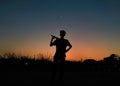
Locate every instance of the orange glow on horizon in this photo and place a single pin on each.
(81, 49)
(73, 54)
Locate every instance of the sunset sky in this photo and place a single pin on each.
(92, 26)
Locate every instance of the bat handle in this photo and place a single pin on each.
(54, 36)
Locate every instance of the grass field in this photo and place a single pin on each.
(70, 79)
(30, 72)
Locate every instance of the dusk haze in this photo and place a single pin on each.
(92, 27)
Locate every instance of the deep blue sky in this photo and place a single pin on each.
(92, 26)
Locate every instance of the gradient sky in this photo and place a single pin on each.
(92, 26)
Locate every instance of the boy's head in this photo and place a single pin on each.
(62, 33)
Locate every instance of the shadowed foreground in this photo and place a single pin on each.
(30, 72)
(70, 79)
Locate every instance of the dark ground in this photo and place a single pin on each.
(34, 78)
(30, 72)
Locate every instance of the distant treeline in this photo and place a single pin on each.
(12, 62)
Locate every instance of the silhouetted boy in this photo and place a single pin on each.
(62, 46)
